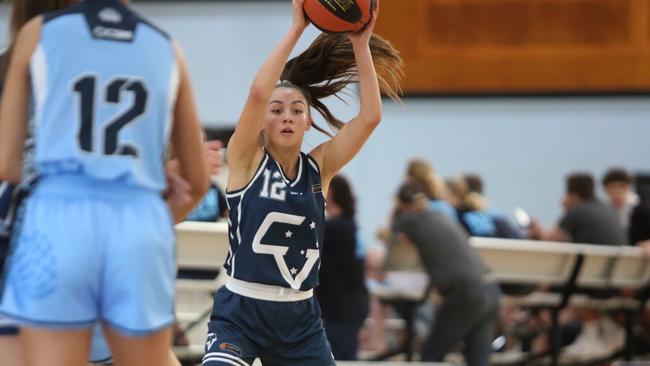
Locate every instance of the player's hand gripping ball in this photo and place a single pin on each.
(339, 16)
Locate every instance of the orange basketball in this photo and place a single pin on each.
(339, 16)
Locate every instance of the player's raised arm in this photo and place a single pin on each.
(349, 140)
(335, 153)
(244, 149)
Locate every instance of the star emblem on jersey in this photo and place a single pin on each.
(312, 225)
(302, 252)
(212, 337)
(288, 234)
(292, 273)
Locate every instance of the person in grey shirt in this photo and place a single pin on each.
(586, 220)
(470, 308)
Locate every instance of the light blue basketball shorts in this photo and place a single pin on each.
(8, 327)
(92, 252)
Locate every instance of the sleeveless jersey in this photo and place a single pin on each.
(103, 109)
(276, 226)
(6, 194)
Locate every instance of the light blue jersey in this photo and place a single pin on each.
(103, 108)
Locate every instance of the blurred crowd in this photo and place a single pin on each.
(428, 231)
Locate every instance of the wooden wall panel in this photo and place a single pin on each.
(513, 46)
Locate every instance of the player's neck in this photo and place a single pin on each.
(287, 158)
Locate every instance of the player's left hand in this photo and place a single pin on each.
(363, 36)
(213, 156)
(299, 20)
(178, 190)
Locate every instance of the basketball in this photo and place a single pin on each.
(339, 16)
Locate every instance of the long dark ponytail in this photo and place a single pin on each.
(328, 66)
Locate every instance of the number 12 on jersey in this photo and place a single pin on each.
(277, 189)
(86, 88)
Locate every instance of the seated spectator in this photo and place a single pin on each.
(422, 172)
(640, 225)
(504, 228)
(212, 207)
(341, 293)
(470, 305)
(617, 184)
(588, 221)
(470, 208)
(639, 230)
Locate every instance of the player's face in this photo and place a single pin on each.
(287, 117)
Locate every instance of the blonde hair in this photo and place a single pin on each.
(472, 200)
(422, 172)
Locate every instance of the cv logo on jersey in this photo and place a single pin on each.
(278, 251)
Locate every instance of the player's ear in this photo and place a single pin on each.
(310, 121)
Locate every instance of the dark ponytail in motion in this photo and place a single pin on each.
(328, 66)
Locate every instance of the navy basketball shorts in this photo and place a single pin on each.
(7, 326)
(242, 329)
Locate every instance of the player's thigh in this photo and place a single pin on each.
(11, 350)
(150, 349)
(55, 347)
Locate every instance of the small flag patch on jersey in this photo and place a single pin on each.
(316, 188)
(230, 347)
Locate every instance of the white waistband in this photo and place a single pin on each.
(266, 292)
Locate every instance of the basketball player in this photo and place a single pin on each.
(102, 118)
(276, 195)
(11, 350)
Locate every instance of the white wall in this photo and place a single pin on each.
(522, 146)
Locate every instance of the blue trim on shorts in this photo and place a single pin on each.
(22, 321)
(9, 331)
(105, 361)
(139, 333)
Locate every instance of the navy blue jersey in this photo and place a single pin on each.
(6, 193)
(5, 200)
(276, 226)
